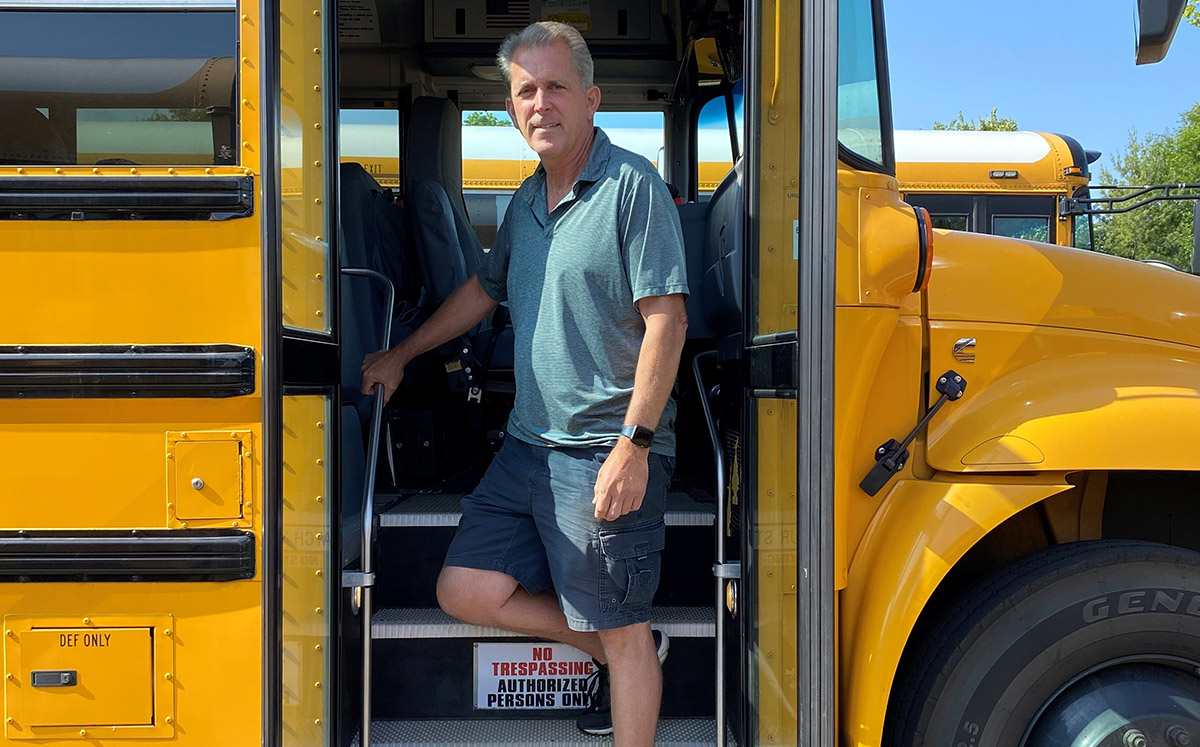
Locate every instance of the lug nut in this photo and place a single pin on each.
(1177, 736)
(1135, 738)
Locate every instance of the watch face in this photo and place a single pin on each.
(639, 435)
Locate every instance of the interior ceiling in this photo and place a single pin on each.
(408, 52)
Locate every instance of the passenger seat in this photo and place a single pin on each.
(712, 236)
(448, 249)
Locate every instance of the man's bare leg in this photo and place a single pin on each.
(492, 598)
(635, 681)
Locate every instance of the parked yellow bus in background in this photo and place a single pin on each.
(1002, 183)
(932, 488)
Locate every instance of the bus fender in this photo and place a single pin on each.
(923, 528)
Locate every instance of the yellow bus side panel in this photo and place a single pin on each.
(216, 680)
(921, 531)
(102, 463)
(879, 404)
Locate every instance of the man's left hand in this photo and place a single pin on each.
(621, 484)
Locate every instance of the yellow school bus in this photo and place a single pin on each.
(1016, 184)
(1001, 183)
(933, 487)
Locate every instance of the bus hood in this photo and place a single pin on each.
(980, 278)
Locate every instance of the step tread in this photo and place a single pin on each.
(557, 732)
(431, 622)
(442, 510)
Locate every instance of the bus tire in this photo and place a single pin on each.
(1035, 653)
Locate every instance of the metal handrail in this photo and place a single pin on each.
(368, 503)
(719, 520)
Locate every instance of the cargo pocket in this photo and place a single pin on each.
(630, 564)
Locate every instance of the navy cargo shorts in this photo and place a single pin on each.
(532, 517)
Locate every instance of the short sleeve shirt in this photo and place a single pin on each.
(571, 278)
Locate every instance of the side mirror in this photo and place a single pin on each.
(1156, 24)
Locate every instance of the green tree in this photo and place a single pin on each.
(179, 115)
(1191, 14)
(486, 119)
(992, 122)
(1162, 230)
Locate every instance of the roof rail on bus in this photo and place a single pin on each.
(1157, 21)
(118, 4)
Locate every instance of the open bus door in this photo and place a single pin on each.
(777, 618)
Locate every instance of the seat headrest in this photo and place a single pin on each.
(435, 143)
(28, 138)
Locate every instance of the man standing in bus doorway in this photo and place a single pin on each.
(590, 259)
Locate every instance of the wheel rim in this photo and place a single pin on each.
(1128, 704)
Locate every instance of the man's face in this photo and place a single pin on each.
(548, 102)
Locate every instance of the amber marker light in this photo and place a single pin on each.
(925, 241)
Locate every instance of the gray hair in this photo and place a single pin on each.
(545, 34)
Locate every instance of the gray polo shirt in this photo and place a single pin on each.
(571, 278)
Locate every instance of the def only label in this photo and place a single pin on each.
(84, 640)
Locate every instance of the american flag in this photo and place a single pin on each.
(507, 14)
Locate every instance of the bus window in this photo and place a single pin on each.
(859, 114)
(496, 159)
(713, 146)
(106, 87)
(1030, 228)
(951, 222)
(371, 137)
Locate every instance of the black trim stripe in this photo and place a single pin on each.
(923, 244)
(100, 197)
(125, 371)
(130, 556)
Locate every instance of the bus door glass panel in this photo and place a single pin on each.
(1031, 218)
(303, 156)
(118, 88)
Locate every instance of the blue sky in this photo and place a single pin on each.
(1062, 66)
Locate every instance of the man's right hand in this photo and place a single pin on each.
(385, 367)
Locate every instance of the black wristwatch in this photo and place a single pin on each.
(639, 434)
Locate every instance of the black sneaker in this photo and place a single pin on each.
(597, 717)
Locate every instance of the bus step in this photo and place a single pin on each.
(431, 622)
(557, 732)
(442, 510)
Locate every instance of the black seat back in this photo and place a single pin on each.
(448, 249)
(720, 286)
(693, 218)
